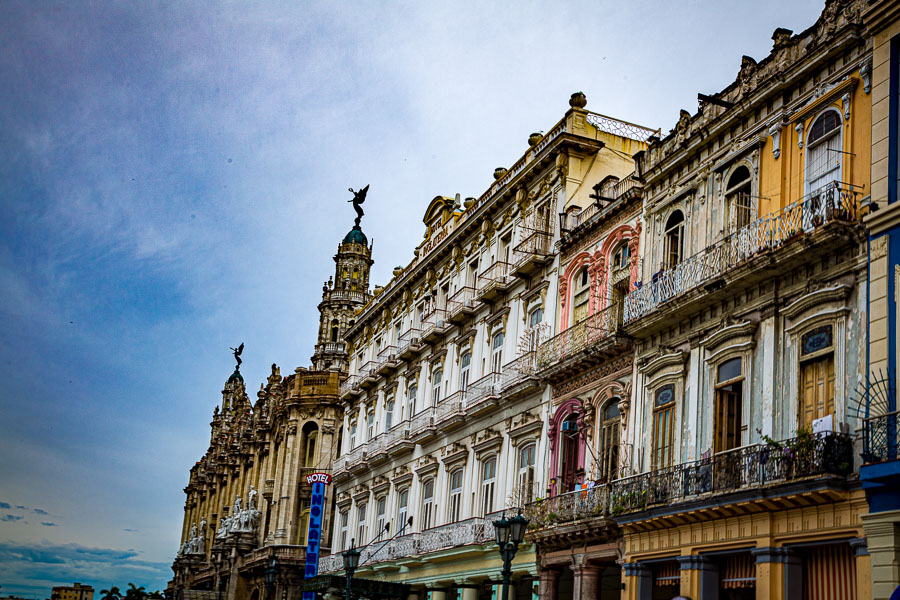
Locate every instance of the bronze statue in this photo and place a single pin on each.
(237, 355)
(358, 198)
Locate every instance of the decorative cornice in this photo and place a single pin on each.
(727, 332)
(661, 361)
(838, 292)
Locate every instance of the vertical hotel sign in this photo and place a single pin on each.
(318, 481)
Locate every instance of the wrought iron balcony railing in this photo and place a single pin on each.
(434, 322)
(596, 328)
(367, 369)
(495, 278)
(482, 389)
(331, 563)
(461, 300)
(535, 244)
(750, 467)
(421, 421)
(834, 202)
(881, 438)
(350, 383)
(462, 533)
(517, 370)
(408, 338)
(571, 221)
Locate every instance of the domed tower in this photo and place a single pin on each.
(342, 296)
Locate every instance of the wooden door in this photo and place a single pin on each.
(816, 389)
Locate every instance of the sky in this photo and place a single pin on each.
(173, 180)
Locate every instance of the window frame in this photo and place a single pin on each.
(427, 503)
(455, 498)
(663, 412)
(488, 484)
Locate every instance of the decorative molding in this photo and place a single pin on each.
(487, 439)
(727, 332)
(865, 72)
(454, 454)
(879, 247)
(425, 465)
(401, 475)
(380, 484)
(775, 133)
(661, 361)
(839, 292)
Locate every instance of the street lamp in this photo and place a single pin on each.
(510, 533)
(271, 572)
(351, 561)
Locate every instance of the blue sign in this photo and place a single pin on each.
(314, 535)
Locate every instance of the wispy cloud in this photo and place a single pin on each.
(40, 511)
(5, 505)
(48, 524)
(9, 518)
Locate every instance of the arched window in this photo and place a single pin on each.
(674, 240)
(497, 352)
(536, 317)
(389, 413)
(455, 504)
(569, 464)
(361, 524)
(311, 435)
(411, 394)
(663, 426)
(436, 386)
(402, 508)
(581, 295)
(488, 484)
(465, 362)
(335, 327)
(738, 199)
(823, 151)
(526, 474)
(370, 424)
(610, 423)
(380, 509)
(729, 401)
(427, 504)
(621, 258)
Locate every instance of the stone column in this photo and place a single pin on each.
(469, 593)
(587, 582)
(863, 567)
(549, 581)
(699, 578)
(638, 580)
(438, 594)
(883, 542)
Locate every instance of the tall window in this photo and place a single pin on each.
(353, 433)
(345, 518)
(361, 525)
(334, 330)
(569, 463)
(729, 401)
(738, 199)
(497, 352)
(411, 394)
(674, 240)
(370, 424)
(582, 294)
(402, 508)
(488, 484)
(310, 459)
(526, 474)
(303, 529)
(536, 317)
(823, 151)
(621, 256)
(465, 361)
(456, 484)
(380, 508)
(389, 413)
(663, 426)
(436, 386)
(609, 440)
(816, 375)
(427, 503)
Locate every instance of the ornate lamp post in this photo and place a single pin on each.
(271, 572)
(351, 561)
(510, 533)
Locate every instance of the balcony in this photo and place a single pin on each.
(350, 386)
(836, 203)
(742, 477)
(331, 563)
(453, 535)
(421, 426)
(574, 225)
(533, 253)
(450, 412)
(461, 305)
(747, 469)
(331, 348)
(593, 340)
(495, 281)
(518, 377)
(483, 395)
(367, 375)
(348, 296)
(339, 470)
(377, 452)
(435, 325)
(409, 345)
(356, 459)
(387, 361)
(396, 441)
(287, 555)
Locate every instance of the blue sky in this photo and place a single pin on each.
(174, 176)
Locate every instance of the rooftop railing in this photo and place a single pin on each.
(594, 329)
(834, 202)
(338, 347)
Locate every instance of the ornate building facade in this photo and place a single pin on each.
(448, 421)
(247, 498)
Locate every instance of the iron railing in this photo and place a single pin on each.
(881, 438)
(407, 338)
(749, 467)
(421, 421)
(385, 354)
(351, 382)
(398, 433)
(571, 221)
(367, 369)
(337, 347)
(834, 202)
(620, 128)
(517, 370)
(464, 296)
(495, 275)
(536, 244)
(482, 389)
(596, 328)
(436, 319)
(451, 406)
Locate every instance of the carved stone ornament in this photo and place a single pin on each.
(775, 132)
(799, 130)
(845, 102)
(865, 71)
(879, 247)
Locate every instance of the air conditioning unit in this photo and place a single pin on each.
(570, 426)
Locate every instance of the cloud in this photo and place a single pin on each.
(5, 505)
(40, 511)
(48, 524)
(130, 530)
(22, 507)
(25, 565)
(8, 517)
